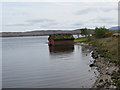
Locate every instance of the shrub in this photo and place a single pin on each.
(101, 32)
(85, 31)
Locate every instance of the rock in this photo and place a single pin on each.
(101, 80)
(94, 55)
(94, 61)
(91, 65)
(109, 73)
(107, 68)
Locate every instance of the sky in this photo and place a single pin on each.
(30, 16)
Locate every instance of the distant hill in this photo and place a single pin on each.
(37, 33)
(41, 33)
(115, 28)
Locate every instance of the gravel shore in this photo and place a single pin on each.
(105, 69)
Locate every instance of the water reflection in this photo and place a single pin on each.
(85, 50)
(61, 49)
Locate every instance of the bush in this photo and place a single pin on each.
(85, 31)
(101, 32)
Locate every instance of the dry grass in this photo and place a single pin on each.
(108, 47)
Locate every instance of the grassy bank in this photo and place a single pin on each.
(79, 40)
(107, 48)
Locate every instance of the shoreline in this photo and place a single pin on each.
(104, 67)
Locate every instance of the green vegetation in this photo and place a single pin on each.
(102, 32)
(85, 31)
(62, 36)
(84, 39)
(107, 47)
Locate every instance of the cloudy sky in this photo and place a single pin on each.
(28, 16)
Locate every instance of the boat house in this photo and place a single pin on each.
(61, 39)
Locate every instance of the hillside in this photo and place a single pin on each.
(115, 28)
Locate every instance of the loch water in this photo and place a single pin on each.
(28, 62)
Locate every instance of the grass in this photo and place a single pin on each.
(106, 47)
(83, 39)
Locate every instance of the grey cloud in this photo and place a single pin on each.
(88, 10)
(48, 24)
(40, 20)
(104, 20)
(85, 11)
(78, 24)
(43, 23)
(109, 9)
(17, 25)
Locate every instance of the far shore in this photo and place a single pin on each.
(22, 35)
(38, 33)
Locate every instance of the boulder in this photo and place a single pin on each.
(91, 65)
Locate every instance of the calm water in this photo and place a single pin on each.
(28, 62)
